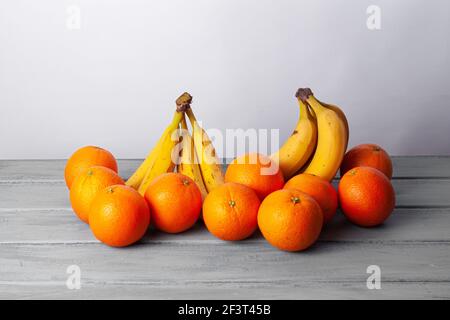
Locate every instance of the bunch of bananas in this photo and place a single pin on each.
(192, 155)
(316, 146)
(318, 142)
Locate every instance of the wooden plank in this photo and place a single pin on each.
(40, 237)
(421, 167)
(234, 290)
(32, 169)
(420, 193)
(41, 195)
(61, 226)
(250, 263)
(50, 170)
(33, 195)
(404, 167)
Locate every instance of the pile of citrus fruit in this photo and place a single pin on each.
(286, 195)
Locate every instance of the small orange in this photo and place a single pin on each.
(367, 155)
(366, 196)
(86, 186)
(230, 211)
(320, 189)
(87, 157)
(119, 216)
(256, 171)
(290, 220)
(175, 202)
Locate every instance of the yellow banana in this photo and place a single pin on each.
(298, 148)
(165, 150)
(188, 164)
(138, 176)
(209, 163)
(341, 114)
(332, 137)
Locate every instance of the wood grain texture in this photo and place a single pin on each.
(50, 170)
(229, 290)
(227, 264)
(404, 167)
(63, 227)
(40, 237)
(41, 194)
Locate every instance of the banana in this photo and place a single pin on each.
(341, 114)
(332, 137)
(165, 150)
(138, 176)
(209, 163)
(299, 147)
(188, 164)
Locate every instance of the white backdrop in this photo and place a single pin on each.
(113, 81)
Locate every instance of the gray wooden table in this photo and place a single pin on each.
(40, 237)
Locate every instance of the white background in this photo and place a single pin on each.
(113, 82)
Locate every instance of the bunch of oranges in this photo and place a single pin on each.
(290, 215)
(117, 214)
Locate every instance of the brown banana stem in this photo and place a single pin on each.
(303, 94)
(183, 102)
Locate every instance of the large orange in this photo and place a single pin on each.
(230, 211)
(175, 202)
(367, 155)
(87, 157)
(366, 196)
(290, 219)
(320, 189)
(119, 216)
(256, 171)
(86, 186)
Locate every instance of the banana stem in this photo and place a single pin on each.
(303, 94)
(183, 102)
(306, 96)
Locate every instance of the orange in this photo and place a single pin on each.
(290, 220)
(320, 189)
(175, 202)
(230, 211)
(256, 171)
(119, 216)
(86, 186)
(367, 155)
(366, 196)
(87, 157)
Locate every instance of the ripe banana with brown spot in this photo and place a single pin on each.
(331, 141)
(342, 115)
(209, 163)
(299, 147)
(165, 151)
(188, 164)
